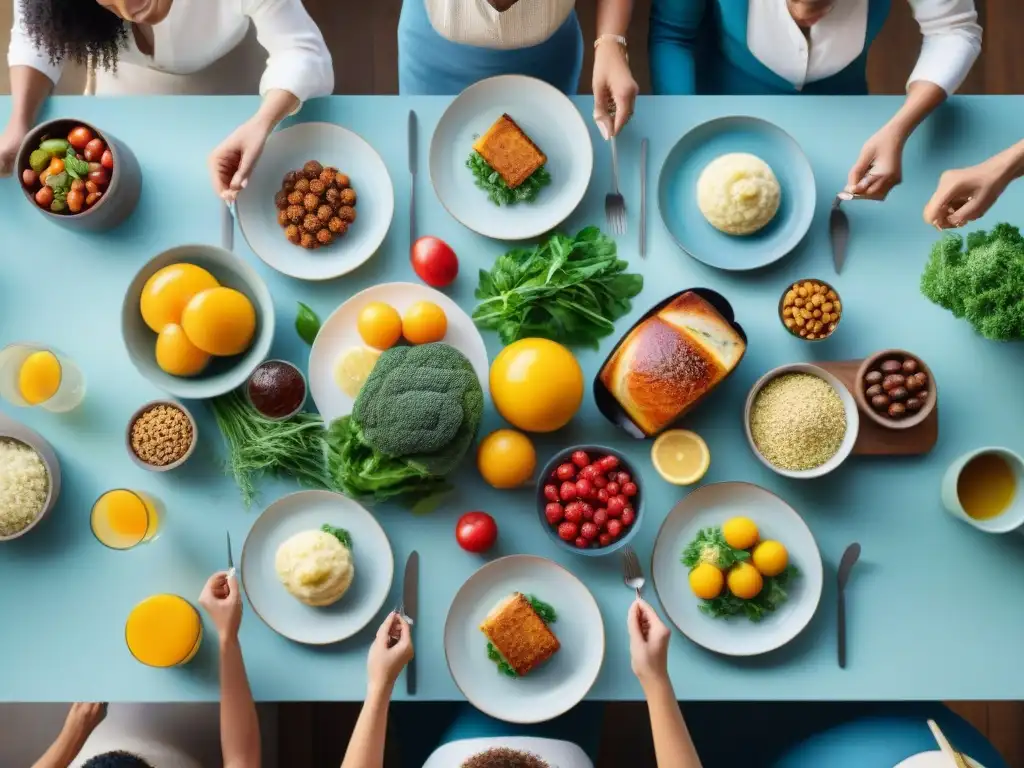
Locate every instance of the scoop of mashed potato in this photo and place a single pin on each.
(315, 567)
(738, 193)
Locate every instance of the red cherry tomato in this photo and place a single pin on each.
(628, 517)
(574, 512)
(551, 492)
(580, 459)
(568, 491)
(566, 471)
(603, 496)
(614, 528)
(612, 488)
(623, 478)
(608, 463)
(568, 531)
(601, 517)
(581, 542)
(589, 472)
(554, 513)
(583, 488)
(107, 159)
(94, 150)
(599, 481)
(80, 137)
(44, 197)
(589, 531)
(604, 539)
(434, 262)
(615, 506)
(588, 512)
(100, 178)
(476, 531)
(629, 489)
(29, 178)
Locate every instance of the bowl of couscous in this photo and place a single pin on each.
(29, 479)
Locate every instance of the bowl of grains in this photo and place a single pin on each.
(810, 310)
(161, 435)
(29, 479)
(801, 421)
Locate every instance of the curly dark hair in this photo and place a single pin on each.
(116, 760)
(75, 30)
(502, 757)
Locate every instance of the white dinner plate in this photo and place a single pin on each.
(709, 506)
(339, 333)
(562, 681)
(934, 759)
(551, 121)
(371, 554)
(329, 144)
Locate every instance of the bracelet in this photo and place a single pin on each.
(615, 38)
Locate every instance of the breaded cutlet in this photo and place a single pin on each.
(509, 151)
(519, 634)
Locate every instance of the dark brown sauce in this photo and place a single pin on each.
(276, 389)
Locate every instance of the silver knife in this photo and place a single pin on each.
(411, 602)
(227, 227)
(413, 152)
(839, 233)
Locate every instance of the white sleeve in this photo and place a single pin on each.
(299, 61)
(22, 51)
(952, 41)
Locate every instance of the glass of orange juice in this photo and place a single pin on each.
(122, 519)
(31, 375)
(164, 631)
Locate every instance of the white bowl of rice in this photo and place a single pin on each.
(29, 479)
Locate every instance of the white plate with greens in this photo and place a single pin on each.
(551, 121)
(555, 686)
(372, 557)
(708, 507)
(339, 334)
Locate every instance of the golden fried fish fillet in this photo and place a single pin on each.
(519, 634)
(509, 151)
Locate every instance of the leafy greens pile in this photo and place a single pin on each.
(498, 192)
(984, 283)
(709, 546)
(567, 289)
(547, 615)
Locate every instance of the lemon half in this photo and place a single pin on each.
(353, 368)
(680, 456)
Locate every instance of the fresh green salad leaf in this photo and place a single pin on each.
(498, 192)
(503, 666)
(307, 324)
(772, 595)
(709, 546)
(59, 182)
(339, 533)
(568, 289)
(77, 169)
(544, 610)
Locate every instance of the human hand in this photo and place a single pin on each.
(10, 141)
(879, 167)
(231, 163)
(222, 599)
(966, 194)
(648, 643)
(613, 86)
(83, 718)
(385, 662)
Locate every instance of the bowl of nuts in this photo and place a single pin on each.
(895, 389)
(810, 310)
(161, 435)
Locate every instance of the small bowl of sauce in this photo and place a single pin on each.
(276, 390)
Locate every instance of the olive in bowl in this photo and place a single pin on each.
(895, 389)
(590, 500)
(810, 310)
(77, 175)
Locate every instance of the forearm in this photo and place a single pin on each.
(366, 747)
(613, 16)
(1012, 161)
(922, 99)
(29, 89)
(239, 724)
(277, 105)
(64, 750)
(673, 746)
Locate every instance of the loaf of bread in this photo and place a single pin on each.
(671, 360)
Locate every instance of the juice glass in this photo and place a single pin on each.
(31, 375)
(163, 631)
(122, 519)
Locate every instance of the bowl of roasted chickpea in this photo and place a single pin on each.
(810, 309)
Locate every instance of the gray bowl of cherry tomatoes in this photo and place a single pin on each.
(590, 500)
(77, 175)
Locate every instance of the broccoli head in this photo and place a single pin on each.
(982, 283)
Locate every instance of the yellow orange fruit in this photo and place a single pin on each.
(220, 321)
(770, 558)
(379, 324)
(39, 377)
(745, 581)
(536, 385)
(176, 355)
(506, 458)
(424, 322)
(740, 532)
(169, 290)
(706, 581)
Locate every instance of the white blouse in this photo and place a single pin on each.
(952, 40)
(196, 33)
(557, 754)
(476, 22)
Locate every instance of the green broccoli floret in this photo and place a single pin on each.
(339, 533)
(984, 283)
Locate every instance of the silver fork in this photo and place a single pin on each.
(632, 575)
(614, 203)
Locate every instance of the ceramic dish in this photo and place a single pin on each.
(934, 759)
(131, 423)
(885, 421)
(12, 430)
(711, 505)
(849, 406)
(288, 150)
(593, 451)
(605, 400)
(371, 554)
(339, 333)
(549, 118)
(677, 193)
(552, 688)
(794, 332)
(223, 374)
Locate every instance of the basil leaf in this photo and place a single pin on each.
(307, 324)
(77, 169)
(59, 182)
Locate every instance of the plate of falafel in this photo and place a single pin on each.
(319, 202)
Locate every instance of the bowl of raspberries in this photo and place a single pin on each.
(316, 204)
(590, 500)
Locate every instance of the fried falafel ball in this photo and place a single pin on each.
(302, 185)
(316, 187)
(281, 200)
(308, 241)
(295, 213)
(327, 176)
(282, 218)
(324, 236)
(289, 179)
(333, 197)
(292, 233)
(325, 213)
(311, 201)
(294, 198)
(342, 181)
(312, 169)
(348, 197)
(337, 226)
(311, 224)
(347, 213)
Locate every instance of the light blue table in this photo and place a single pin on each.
(934, 607)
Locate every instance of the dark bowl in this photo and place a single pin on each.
(884, 420)
(796, 335)
(122, 192)
(638, 501)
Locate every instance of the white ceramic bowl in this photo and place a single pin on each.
(849, 405)
(12, 430)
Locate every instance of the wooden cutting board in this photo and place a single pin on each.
(876, 440)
